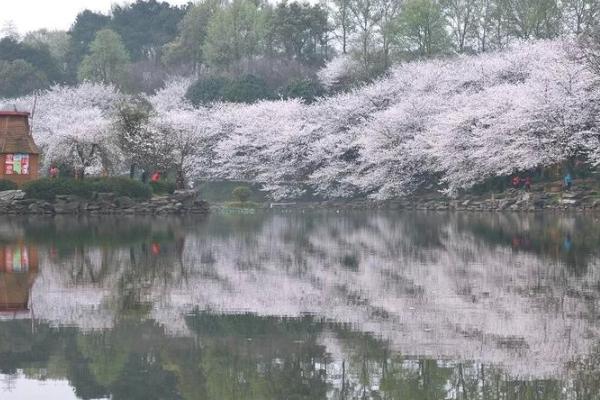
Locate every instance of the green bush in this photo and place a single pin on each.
(122, 187)
(48, 189)
(241, 193)
(246, 89)
(304, 89)
(163, 187)
(5, 184)
(206, 90)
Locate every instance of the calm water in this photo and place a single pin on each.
(319, 305)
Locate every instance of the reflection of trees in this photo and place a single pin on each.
(252, 357)
(432, 287)
(570, 239)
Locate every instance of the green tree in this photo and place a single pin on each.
(187, 48)
(19, 78)
(235, 32)
(462, 16)
(300, 31)
(82, 34)
(107, 61)
(533, 18)
(146, 26)
(366, 15)
(343, 21)
(56, 42)
(39, 57)
(424, 26)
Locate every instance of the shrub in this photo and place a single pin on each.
(206, 90)
(246, 89)
(5, 184)
(241, 193)
(304, 89)
(121, 187)
(163, 187)
(48, 189)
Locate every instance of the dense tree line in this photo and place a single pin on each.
(138, 46)
(436, 125)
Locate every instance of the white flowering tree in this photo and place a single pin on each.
(71, 125)
(437, 125)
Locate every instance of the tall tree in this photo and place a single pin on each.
(19, 78)
(300, 31)
(39, 57)
(389, 28)
(187, 48)
(540, 19)
(57, 42)
(82, 33)
(462, 16)
(424, 27)
(343, 21)
(581, 15)
(236, 32)
(107, 60)
(146, 26)
(365, 16)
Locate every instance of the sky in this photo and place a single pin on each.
(30, 15)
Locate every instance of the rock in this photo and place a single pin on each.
(504, 204)
(572, 195)
(570, 202)
(108, 197)
(125, 202)
(11, 195)
(64, 207)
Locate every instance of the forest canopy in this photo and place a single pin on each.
(137, 47)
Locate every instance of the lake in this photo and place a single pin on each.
(301, 305)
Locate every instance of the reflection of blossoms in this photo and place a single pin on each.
(427, 284)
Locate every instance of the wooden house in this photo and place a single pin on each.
(19, 155)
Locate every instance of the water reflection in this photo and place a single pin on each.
(302, 306)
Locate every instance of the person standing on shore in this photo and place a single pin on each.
(53, 172)
(568, 181)
(528, 183)
(516, 181)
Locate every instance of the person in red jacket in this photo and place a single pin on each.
(155, 177)
(53, 172)
(516, 181)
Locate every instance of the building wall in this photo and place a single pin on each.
(34, 170)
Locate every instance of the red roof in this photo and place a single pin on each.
(14, 114)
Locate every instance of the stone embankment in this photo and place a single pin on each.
(510, 200)
(515, 200)
(14, 202)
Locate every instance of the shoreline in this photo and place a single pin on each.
(14, 202)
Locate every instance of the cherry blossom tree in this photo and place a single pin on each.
(437, 125)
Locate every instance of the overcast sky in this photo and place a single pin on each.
(30, 15)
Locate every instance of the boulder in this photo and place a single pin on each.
(106, 197)
(125, 202)
(11, 195)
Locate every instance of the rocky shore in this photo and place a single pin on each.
(14, 202)
(512, 200)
